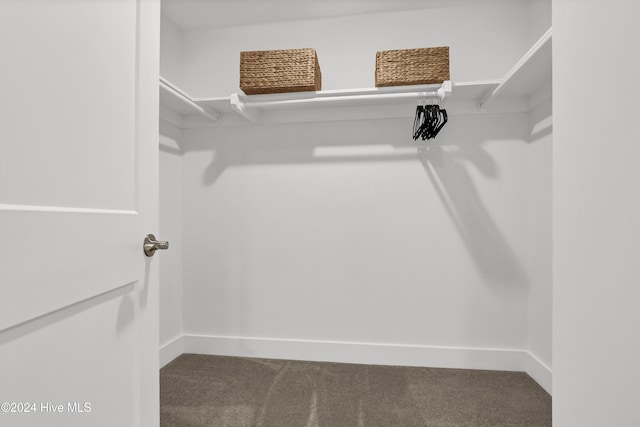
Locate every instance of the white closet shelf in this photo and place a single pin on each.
(524, 86)
(530, 78)
(346, 104)
(180, 109)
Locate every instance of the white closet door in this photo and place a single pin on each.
(78, 193)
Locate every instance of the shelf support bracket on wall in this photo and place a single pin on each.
(240, 107)
(445, 90)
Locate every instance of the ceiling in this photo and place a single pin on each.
(189, 15)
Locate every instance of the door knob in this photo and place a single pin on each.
(151, 245)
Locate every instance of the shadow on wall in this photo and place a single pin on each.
(293, 144)
(488, 247)
(445, 162)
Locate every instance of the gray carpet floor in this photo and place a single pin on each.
(198, 390)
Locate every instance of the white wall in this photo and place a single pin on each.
(171, 229)
(485, 39)
(539, 13)
(596, 351)
(171, 285)
(170, 51)
(539, 236)
(302, 231)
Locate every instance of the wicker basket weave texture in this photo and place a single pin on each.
(412, 66)
(279, 71)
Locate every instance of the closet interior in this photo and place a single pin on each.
(313, 226)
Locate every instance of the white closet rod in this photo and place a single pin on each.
(336, 96)
(243, 103)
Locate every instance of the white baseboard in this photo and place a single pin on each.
(171, 350)
(537, 370)
(361, 353)
(358, 352)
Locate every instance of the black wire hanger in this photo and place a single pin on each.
(429, 120)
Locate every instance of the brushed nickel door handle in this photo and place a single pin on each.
(151, 245)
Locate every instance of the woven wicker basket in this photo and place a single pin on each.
(412, 66)
(278, 71)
